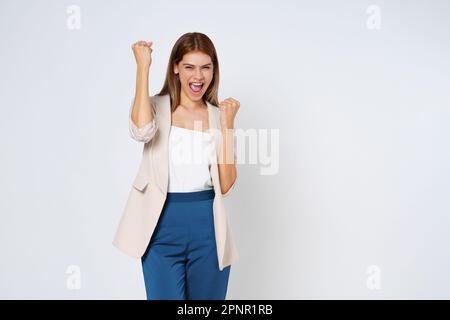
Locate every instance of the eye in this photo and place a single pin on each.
(205, 67)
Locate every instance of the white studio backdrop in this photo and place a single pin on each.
(354, 95)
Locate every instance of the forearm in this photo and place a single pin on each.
(141, 113)
(227, 165)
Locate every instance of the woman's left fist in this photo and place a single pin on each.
(228, 109)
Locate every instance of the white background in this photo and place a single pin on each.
(364, 162)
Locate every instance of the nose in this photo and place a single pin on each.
(198, 74)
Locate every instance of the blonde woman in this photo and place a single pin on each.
(174, 219)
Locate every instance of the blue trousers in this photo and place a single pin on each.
(180, 262)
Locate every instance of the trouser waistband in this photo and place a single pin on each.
(190, 196)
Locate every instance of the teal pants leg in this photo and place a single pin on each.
(180, 262)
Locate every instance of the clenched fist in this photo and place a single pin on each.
(228, 109)
(143, 53)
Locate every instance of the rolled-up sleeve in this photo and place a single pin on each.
(144, 133)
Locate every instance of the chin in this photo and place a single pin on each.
(194, 97)
(197, 97)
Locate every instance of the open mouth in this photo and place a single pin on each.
(196, 87)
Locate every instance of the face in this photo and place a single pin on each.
(195, 68)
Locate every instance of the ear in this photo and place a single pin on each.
(175, 68)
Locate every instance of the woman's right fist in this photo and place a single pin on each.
(143, 53)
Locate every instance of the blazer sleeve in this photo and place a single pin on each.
(146, 132)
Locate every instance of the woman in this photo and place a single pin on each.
(174, 219)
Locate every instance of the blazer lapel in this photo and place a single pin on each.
(160, 150)
(214, 130)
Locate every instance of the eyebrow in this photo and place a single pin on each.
(188, 64)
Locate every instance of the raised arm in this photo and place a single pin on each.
(142, 121)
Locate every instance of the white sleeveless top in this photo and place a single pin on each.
(190, 154)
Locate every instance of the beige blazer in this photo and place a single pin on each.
(149, 189)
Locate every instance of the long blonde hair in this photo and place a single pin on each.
(192, 41)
